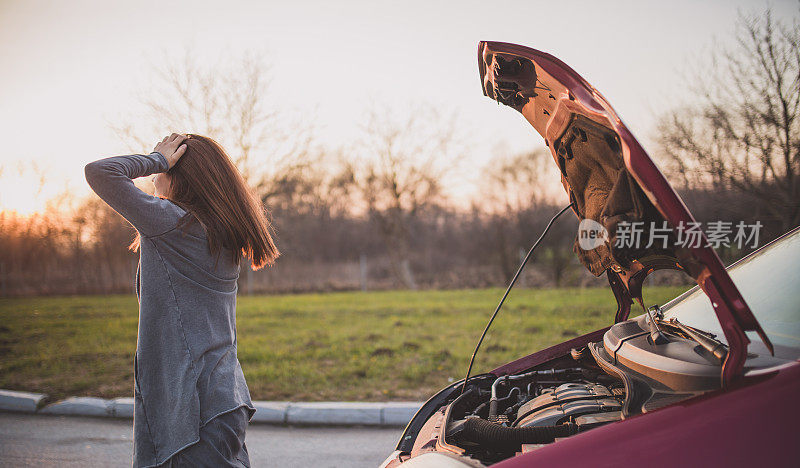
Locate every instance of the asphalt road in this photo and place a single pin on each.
(66, 441)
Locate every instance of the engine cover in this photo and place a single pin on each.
(556, 405)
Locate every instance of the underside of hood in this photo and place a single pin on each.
(611, 180)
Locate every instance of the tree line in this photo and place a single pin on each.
(326, 247)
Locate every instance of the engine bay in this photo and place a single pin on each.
(639, 366)
(526, 411)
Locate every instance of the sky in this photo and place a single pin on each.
(72, 69)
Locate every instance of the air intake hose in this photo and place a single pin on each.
(502, 438)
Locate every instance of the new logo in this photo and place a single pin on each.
(591, 234)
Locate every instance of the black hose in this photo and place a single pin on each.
(502, 438)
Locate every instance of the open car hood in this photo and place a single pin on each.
(611, 180)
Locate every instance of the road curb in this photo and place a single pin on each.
(318, 413)
(25, 402)
(79, 406)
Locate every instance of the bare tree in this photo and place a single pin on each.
(404, 160)
(518, 195)
(514, 184)
(318, 184)
(743, 132)
(228, 101)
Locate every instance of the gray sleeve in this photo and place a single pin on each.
(111, 179)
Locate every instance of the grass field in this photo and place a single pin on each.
(394, 345)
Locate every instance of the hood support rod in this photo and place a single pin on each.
(508, 290)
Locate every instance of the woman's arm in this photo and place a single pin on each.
(111, 179)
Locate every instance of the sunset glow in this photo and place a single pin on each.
(71, 70)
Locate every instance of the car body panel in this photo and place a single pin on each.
(550, 97)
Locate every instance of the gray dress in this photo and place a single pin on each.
(186, 370)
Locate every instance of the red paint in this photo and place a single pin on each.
(581, 98)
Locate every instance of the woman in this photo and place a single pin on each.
(191, 401)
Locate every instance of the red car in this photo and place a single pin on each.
(711, 377)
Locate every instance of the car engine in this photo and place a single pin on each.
(632, 370)
(522, 412)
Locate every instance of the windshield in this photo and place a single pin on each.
(769, 281)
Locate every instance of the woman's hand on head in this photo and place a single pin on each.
(171, 148)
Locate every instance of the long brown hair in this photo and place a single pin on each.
(208, 186)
